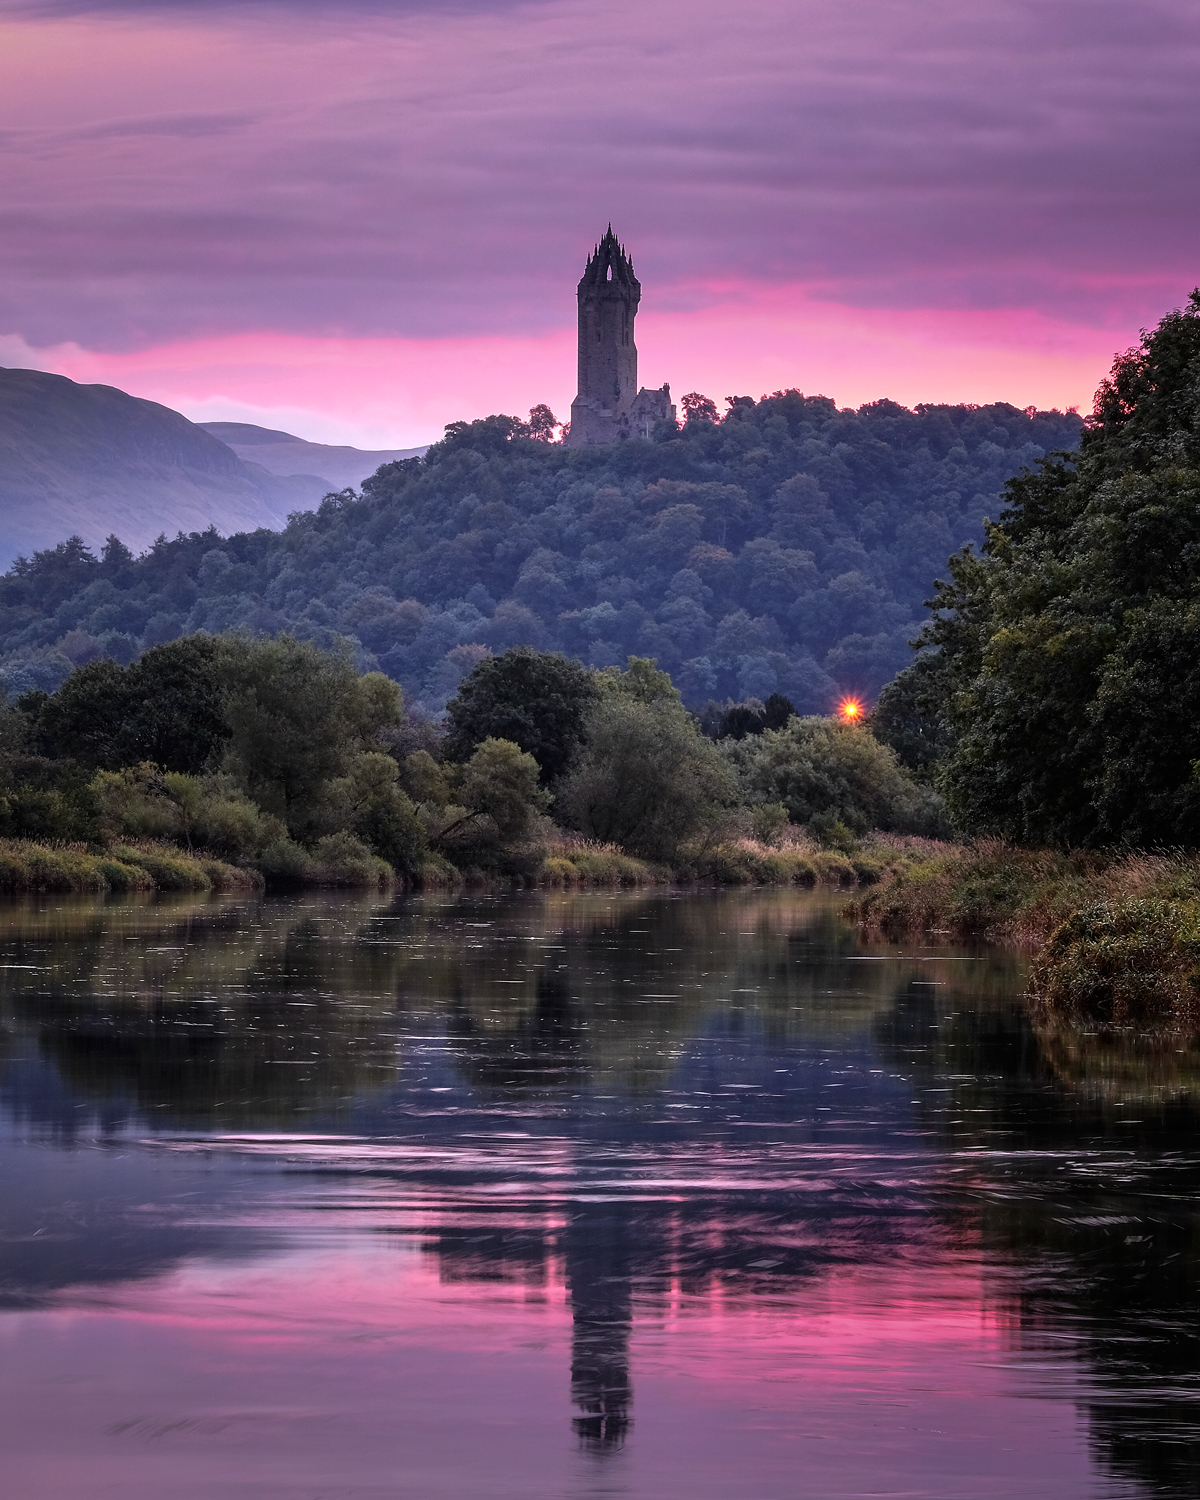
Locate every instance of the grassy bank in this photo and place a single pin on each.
(574, 862)
(30, 867)
(1117, 936)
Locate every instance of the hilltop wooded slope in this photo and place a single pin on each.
(787, 547)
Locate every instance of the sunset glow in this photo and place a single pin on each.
(850, 710)
(205, 202)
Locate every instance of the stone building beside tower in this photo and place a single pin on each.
(609, 406)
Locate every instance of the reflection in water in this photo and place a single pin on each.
(844, 1219)
(598, 1277)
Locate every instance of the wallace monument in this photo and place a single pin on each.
(609, 405)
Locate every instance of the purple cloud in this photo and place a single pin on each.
(409, 169)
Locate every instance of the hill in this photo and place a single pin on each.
(787, 547)
(90, 460)
(338, 468)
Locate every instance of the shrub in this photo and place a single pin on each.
(820, 769)
(1123, 964)
(340, 859)
(647, 780)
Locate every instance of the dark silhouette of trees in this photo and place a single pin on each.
(1067, 661)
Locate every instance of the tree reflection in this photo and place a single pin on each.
(1087, 1178)
(580, 1022)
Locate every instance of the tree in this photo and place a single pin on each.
(1067, 648)
(910, 717)
(821, 769)
(166, 708)
(501, 782)
(698, 410)
(647, 779)
(536, 699)
(299, 717)
(369, 801)
(642, 680)
(542, 423)
(752, 717)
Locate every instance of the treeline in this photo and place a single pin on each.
(1056, 697)
(282, 758)
(786, 547)
(1056, 702)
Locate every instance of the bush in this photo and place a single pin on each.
(647, 779)
(340, 859)
(822, 770)
(1123, 964)
(169, 869)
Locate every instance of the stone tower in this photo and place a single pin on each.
(609, 406)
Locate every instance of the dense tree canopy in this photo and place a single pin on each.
(536, 699)
(786, 547)
(1067, 665)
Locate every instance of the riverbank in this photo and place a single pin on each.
(27, 867)
(796, 859)
(567, 862)
(1116, 937)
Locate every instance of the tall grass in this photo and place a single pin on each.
(27, 867)
(796, 859)
(1117, 934)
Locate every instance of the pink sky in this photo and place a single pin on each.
(363, 221)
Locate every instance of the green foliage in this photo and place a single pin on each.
(167, 708)
(501, 782)
(1123, 964)
(341, 859)
(496, 824)
(735, 721)
(826, 773)
(785, 547)
(208, 812)
(1067, 663)
(299, 717)
(536, 699)
(909, 717)
(369, 802)
(647, 779)
(769, 820)
(424, 779)
(642, 681)
(302, 736)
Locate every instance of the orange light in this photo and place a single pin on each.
(850, 710)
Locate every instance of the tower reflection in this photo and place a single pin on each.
(598, 1272)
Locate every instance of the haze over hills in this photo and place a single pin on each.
(92, 461)
(283, 454)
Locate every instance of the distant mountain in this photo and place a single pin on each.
(282, 454)
(91, 460)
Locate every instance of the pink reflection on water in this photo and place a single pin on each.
(366, 1364)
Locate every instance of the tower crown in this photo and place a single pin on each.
(608, 265)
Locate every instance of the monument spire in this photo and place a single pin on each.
(609, 406)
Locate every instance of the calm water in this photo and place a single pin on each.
(558, 1196)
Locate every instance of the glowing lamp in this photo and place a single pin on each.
(850, 710)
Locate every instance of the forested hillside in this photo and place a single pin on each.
(786, 547)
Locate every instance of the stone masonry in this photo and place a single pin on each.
(609, 406)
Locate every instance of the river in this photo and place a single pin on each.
(686, 1196)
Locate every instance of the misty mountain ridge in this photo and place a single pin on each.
(339, 466)
(93, 461)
